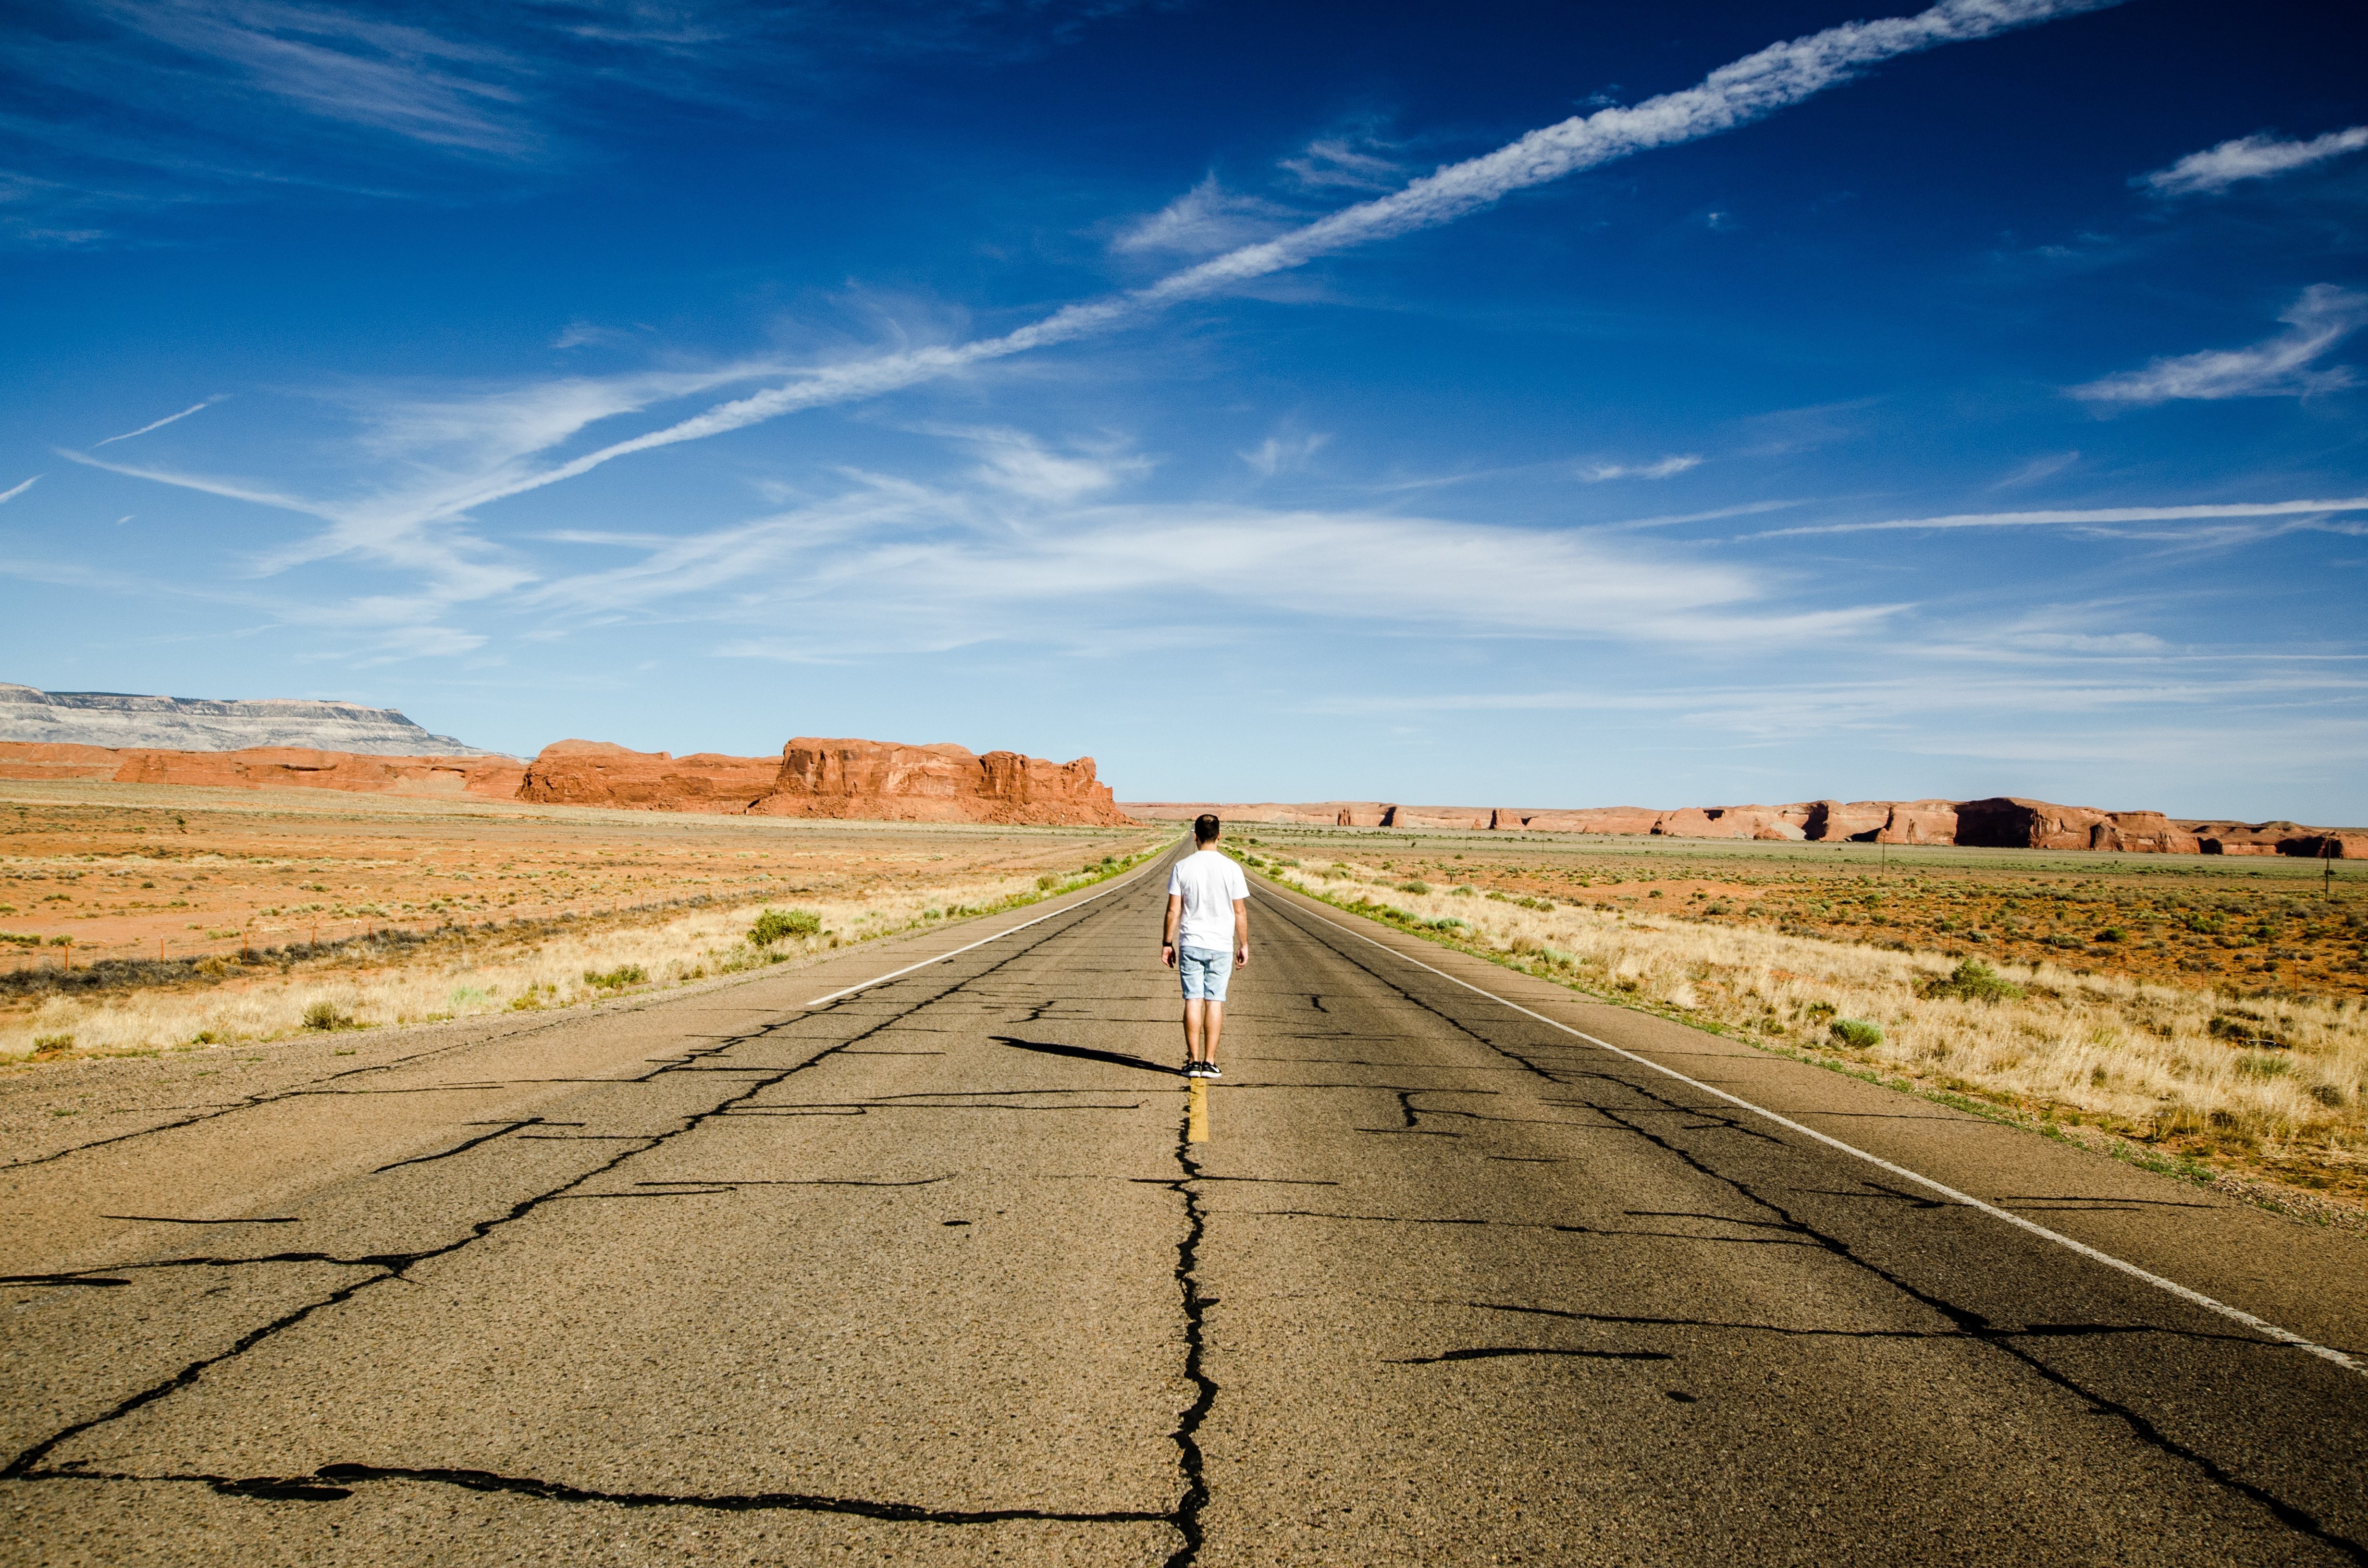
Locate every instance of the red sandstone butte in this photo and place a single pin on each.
(268, 767)
(2278, 838)
(2010, 822)
(1999, 823)
(594, 773)
(884, 781)
(867, 781)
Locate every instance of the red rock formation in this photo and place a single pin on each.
(2003, 821)
(2010, 822)
(594, 773)
(1726, 822)
(36, 759)
(1830, 821)
(885, 781)
(2277, 839)
(1636, 820)
(269, 768)
(1439, 819)
(1312, 814)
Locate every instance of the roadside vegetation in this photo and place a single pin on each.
(2259, 1086)
(617, 903)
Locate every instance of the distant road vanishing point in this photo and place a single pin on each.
(847, 1264)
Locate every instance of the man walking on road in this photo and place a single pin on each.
(1208, 936)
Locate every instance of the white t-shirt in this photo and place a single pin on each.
(1210, 882)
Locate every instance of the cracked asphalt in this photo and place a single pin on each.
(931, 1273)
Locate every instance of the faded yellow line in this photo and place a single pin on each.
(1196, 1115)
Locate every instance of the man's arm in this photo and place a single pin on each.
(1241, 933)
(1167, 936)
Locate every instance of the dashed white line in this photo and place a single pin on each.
(2195, 1297)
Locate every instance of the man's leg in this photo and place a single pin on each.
(1195, 1028)
(1212, 1024)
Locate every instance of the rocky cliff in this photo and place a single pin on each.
(120, 721)
(884, 781)
(1999, 823)
(484, 776)
(869, 780)
(594, 773)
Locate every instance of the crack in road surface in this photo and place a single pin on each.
(1715, 1147)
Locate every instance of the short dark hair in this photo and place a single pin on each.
(1204, 828)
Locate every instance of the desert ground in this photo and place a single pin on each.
(2201, 1014)
(156, 918)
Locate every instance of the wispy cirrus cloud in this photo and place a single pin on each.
(15, 491)
(1666, 467)
(1349, 161)
(2099, 518)
(1278, 453)
(2037, 469)
(893, 563)
(2321, 317)
(1205, 218)
(2259, 157)
(156, 425)
(117, 109)
(442, 457)
(1731, 96)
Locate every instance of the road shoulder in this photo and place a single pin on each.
(2310, 1280)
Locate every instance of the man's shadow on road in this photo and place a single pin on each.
(1086, 1053)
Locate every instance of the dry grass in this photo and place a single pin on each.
(426, 910)
(2260, 1086)
(460, 978)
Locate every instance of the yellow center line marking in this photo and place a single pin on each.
(1196, 1115)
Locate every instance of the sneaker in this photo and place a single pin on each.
(1209, 1070)
(1191, 1069)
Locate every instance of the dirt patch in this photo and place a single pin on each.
(140, 917)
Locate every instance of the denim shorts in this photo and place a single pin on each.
(1204, 972)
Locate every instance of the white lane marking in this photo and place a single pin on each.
(892, 975)
(2197, 1298)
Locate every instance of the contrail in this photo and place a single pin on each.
(158, 425)
(1733, 96)
(2094, 516)
(12, 495)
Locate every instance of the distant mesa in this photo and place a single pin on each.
(483, 775)
(865, 780)
(1999, 823)
(868, 780)
(120, 721)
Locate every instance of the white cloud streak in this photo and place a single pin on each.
(1666, 467)
(1733, 96)
(896, 564)
(8, 496)
(2321, 317)
(2101, 516)
(1204, 218)
(2259, 156)
(1276, 453)
(159, 425)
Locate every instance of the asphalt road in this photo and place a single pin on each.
(935, 1273)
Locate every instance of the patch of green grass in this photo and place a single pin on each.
(780, 925)
(1973, 981)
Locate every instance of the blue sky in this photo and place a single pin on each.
(1552, 405)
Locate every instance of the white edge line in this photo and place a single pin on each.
(2196, 1298)
(895, 974)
